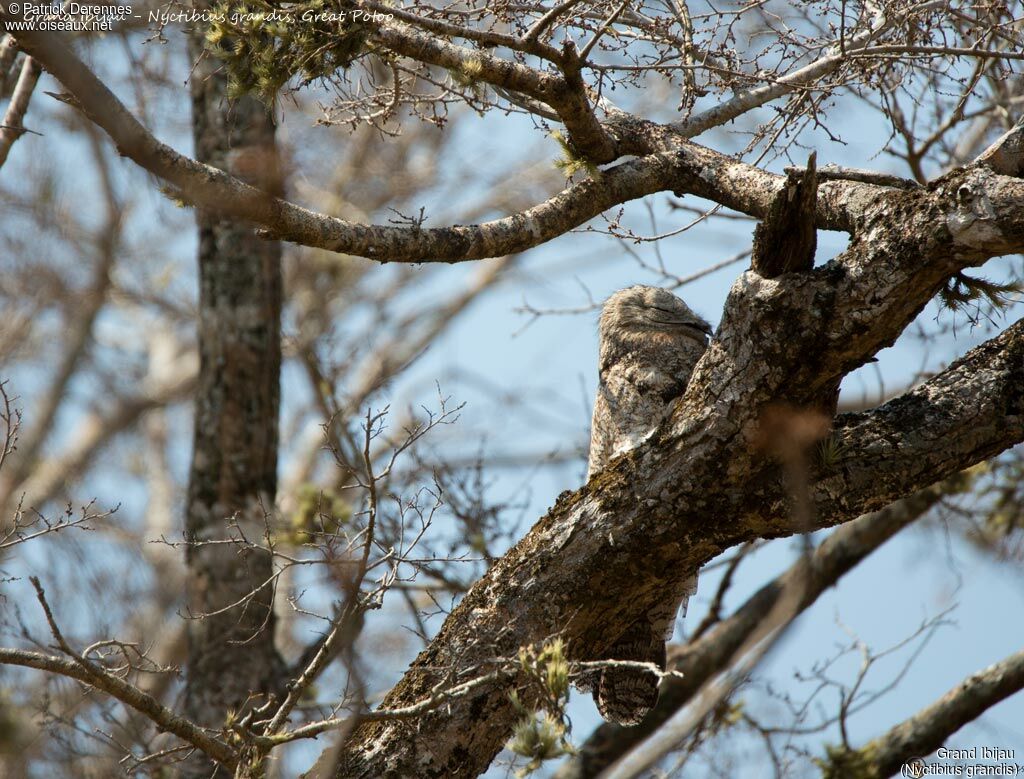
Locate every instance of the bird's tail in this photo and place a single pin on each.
(625, 695)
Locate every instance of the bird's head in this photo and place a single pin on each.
(642, 311)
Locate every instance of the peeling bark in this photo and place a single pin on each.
(786, 240)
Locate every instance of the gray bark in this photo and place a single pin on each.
(232, 485)
(703, 657)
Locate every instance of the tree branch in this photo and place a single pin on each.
(1006, 154)
(684, 168)
(129, 695)
(79, 666)
(566, 94)
(13, 127)
(968, 413)
(802, 78)
(699, 660)
(575, 572)
(927, 730)
(527, 44)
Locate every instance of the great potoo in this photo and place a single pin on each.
(650, 342)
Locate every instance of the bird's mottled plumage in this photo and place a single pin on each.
(650, 342)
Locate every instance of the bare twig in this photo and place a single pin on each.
(929, 728)
(78, 667)
(833, 172)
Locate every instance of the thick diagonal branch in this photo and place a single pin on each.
(699, 660)
(973, 410)
(576, 570)
(783, 340)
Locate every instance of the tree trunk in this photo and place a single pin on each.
(233, 479)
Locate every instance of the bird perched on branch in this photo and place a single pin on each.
(650, 342)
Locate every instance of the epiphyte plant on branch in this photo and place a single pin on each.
(732, 460)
